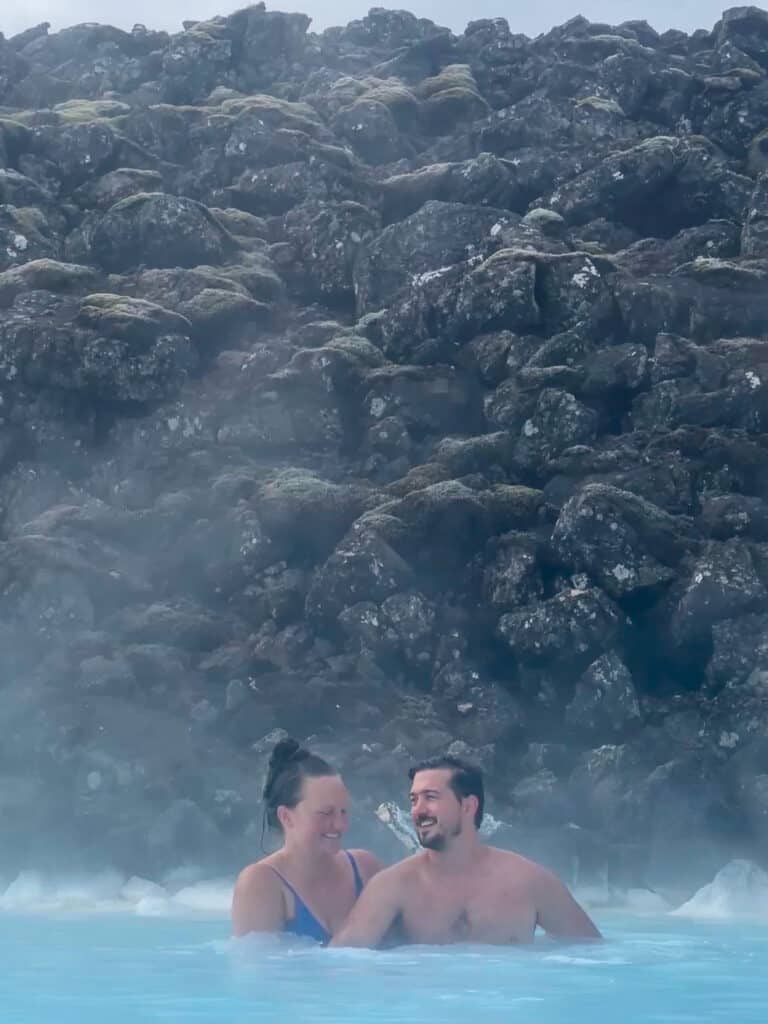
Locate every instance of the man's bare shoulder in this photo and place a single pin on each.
(398, 874)
(511, 863)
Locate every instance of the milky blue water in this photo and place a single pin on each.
(128, 970)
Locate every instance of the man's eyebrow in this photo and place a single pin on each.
(429, 790)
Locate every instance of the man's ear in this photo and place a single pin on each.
(471, 804)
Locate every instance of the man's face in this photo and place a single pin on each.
(436, 811)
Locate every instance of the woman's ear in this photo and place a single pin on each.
(284, 816)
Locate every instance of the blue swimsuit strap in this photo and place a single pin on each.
(359, 883)
(302, 911)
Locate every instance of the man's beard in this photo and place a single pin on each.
(437, 840)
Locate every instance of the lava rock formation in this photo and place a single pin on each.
(402, 390)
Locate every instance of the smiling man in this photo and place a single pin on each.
(457, 889)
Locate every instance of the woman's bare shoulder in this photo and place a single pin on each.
(258, 874)
(367, 862)
(257, 901)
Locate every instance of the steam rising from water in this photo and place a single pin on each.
(738, 891)
(110, 892)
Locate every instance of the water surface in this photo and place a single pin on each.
(117, 969)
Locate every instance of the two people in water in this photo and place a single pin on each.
(456, 889)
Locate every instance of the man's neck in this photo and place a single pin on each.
(459, 855)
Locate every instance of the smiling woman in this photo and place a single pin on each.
(310, 884)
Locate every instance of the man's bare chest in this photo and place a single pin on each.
(469, 916)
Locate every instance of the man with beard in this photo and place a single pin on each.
(457, 889)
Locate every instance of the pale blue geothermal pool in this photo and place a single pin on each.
(121, 969)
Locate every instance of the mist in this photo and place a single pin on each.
(399, 392)
(530, 19)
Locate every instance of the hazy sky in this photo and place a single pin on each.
(523, 17)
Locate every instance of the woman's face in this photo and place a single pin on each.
(319, 819)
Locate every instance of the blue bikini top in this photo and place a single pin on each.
(304, 922)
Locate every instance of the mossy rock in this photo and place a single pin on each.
(120, 184)
(238, 222)
(45, 275)
(446, 108)
(346, 89)
(363, 351)
(451, 97)
(454, 76)
(399, 100)
(74, 112)
(601, 103)
(275, 112)
(84, 111)
(121, 316)
(259, 278)
(513, 506)
(180, 283)
(291, 499)
(215, 310)
(418, 478)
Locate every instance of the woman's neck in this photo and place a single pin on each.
(306, 865)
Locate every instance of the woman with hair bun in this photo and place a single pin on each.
(310, 884)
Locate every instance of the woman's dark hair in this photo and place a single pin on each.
(289, 764)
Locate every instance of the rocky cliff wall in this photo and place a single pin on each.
(399, 389)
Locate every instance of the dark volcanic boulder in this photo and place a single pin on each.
(723, 584)
(445, 307)
(605, 703)
(362, 568)
(648, 186)
(157, 230)
(746, 29)
(434, 400)
(26, 234)
(623, 541)
(439, 235)
(107, 347)
(566, 631)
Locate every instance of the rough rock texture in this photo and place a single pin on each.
(403, 390)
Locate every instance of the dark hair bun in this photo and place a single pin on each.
(283, 752)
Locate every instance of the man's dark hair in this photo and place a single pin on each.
(466, 779)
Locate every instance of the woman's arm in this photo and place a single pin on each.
(257, 903)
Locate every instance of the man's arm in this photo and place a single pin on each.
(558, 913)
(257, 902)
(373, 914)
